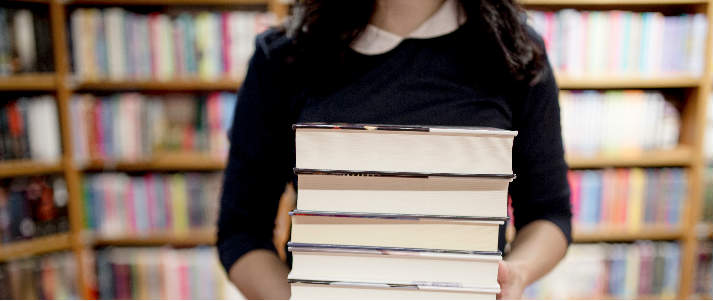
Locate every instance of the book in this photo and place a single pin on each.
(402, 193)
(135, 127)
(117, 204)
(629, 199)
(412, 149)
(162, 273)
(32, 207)
(388, 230)
(600, 123)
(623, 270)
(399, 265)
(118, 44)
(51, 276)
(623, 43)
(35, 138)
(321, 290)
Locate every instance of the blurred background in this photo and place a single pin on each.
(114, 115)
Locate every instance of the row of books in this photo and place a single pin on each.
(381, 215)
(628, 198)
(621, 271)
(119, 204)
(32, 207)
(135, 127)
(49, 277)
(29, 129)
(704, 269)
(162, 273)
(25, 41)
(617, 122)
(116, 44)
(623, 43)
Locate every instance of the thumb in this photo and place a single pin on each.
(502, 278)
(503, 270)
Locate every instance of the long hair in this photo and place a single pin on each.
(323, 30)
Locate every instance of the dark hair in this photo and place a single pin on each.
(324, 29)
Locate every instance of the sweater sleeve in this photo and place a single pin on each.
(541, 190)
(260, 161)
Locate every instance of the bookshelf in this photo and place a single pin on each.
(36, 246)
(19, 168)
(615, 82)
(680, 156)
(187, 239)
(63, 83)
(28, 82)
(165, 162)
(174, 85)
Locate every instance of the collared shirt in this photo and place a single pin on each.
(445, 20)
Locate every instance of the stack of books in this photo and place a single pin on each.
(391, 212)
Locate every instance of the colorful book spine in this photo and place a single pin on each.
(602, 271)
(134, 127)
(603, 43)
(50, 277)
(628, 198)
(123, 45)
(162, 273)
(601, 123)
(119, 204)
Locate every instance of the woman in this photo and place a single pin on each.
(425, 62)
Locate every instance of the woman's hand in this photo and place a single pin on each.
(512, 281)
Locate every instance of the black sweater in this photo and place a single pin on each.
(420, 82)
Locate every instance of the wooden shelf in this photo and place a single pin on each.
(610, 2)
(33, 1)
(612, 82)
(190, 238)
(28, 82)
(677, 157)
(18, 168)
(40, 245)
(173, 85)
(168, 2)
(163, 162)
(615, 234)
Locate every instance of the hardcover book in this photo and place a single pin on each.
(389, 230)
(392, 148)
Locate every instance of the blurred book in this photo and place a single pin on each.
(116, 44)
(32, 207)
(29, 129)
(622, 43)
(120, 205)
(49, 277)
(162, 273)
(628, 199)
(617, 122)
(703, 285)
(623, 271)
(25, 41)
(133, 127)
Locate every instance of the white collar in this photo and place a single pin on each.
(445, 20)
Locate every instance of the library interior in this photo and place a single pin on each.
(115, 116)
